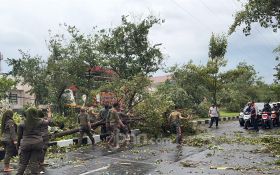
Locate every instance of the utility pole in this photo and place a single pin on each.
(1, 58)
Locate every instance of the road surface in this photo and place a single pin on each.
(217, 151)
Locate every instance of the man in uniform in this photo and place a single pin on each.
(103, 115)
(113, 123)
(44, 114)
(85, 127)
(175, 124)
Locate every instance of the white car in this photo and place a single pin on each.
(259, 108)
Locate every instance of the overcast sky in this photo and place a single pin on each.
(185, 34)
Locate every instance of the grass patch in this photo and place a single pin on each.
(228, 114)
(277, 162)
(222, 114)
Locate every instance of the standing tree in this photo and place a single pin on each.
(239, 87)
(130, 54)
(128, 49)
(217, 51)
(264, 12)
(6, 84)
(31, 70)
(70, 63)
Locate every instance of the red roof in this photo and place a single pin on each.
(73, 88)
(101, 69)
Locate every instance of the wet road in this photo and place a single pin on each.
(219, 157)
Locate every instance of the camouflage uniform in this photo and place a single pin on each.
(45, 135)
(83, 120)
(103, 114)
(8, 138)
(112, 123)
(31, 147)
(175, 124)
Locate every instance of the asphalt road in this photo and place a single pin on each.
(220, 157)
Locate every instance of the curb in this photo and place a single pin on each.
(207, 121)
(85, 141)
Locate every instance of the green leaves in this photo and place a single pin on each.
(264, 12)
(31, 70)
(6, 84)
(127, 48)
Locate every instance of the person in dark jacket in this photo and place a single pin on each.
(254, 116)
(30, 141)
(9, 138)
(44, 114)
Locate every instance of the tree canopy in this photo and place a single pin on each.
(125, 51)
(6, 84)
(31, 70)
(128, 50)
(264, 12)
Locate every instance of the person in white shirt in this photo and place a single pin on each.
(214, 114)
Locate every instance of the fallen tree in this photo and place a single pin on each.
(93, 126)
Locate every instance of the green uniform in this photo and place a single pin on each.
(113, 125)
(83, 120)
(103, 114)
(31, 146)
(45, 135)
(8, 138)
(174, 119)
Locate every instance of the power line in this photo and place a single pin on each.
(201, 1)
(204, 25)
(265, 41)
(197, 20)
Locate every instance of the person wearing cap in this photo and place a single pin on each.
(9, 138)
(85, 127)
(214, 115)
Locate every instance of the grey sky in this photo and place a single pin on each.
(185, 34)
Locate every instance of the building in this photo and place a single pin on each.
(20, 96)
(158, 80)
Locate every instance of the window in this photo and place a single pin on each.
(13, 98)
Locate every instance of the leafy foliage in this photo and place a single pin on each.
(152, 109)
(129, 92)
(239, 87)
(217, 51)
(264, 12)
(31, 70)
(128, 50)
(6, 84)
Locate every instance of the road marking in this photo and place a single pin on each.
(96, 170)
(126, 160)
